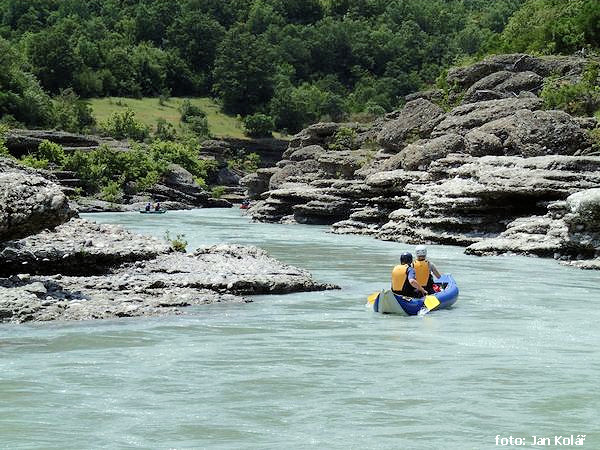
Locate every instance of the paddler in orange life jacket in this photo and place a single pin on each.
(424, 269)
(404, 280)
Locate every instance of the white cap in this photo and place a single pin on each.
(421, 250)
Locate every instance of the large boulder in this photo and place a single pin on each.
(228, 177)
(296, 172)
(305, 153)
(584, 207)
(464, 118)
(565, 66)
(465, 77)
(343, 163)
(29, 203)
(258, 182)
(163, 285)
(504, 82)
(418, 157)
(538, 133)
(415, 121)
(178, 185)
(479, 143)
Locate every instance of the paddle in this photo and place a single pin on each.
(371, 298)
(431, 302)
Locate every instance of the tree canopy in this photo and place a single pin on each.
(295, 60)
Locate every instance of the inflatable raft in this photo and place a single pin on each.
(386, 302)
(160, 211)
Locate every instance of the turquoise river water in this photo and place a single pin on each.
(516, 357)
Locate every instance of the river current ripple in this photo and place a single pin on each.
(517, 356)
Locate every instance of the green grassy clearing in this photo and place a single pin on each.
(148, 110)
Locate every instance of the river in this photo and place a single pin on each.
(517, 356)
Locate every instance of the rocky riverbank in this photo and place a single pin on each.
(58, 267)
(177, 189)
(496, 173)
(162, 285)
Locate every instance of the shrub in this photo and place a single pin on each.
(374, 109)
(100, 167)
(10, 121)
(36, 163)
(178, 243)
(122, 125)
(165, 131)
(112, 192)
(218, 191)
(165, 95)
(201, 182)
(198, 125)
(595, 137)
(142, 165)
(174, 152)
(259, 125)
(71, 113)
(147, 181)
(51, 152)
(3, 149)
(247, 163)
(582, 98)
(343, 139)
(188, 110)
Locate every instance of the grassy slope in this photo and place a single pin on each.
(148, 110)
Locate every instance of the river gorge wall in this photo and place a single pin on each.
(496, 173)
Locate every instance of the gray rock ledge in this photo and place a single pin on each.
(163, 285)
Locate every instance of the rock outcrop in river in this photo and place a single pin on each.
(496, 173)
(65, 268)
(163, 285)
(28, 202)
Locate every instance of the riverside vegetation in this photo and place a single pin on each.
(279, 65)
(294, 61)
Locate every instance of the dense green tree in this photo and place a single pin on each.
(295, 60)
(243, 72)
(551, 26)
(152, 19)
(52, 55)
(196, 36)
(21, 97)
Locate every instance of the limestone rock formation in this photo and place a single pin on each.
(416, 120)
(28, 202)
(494, 173)
(163, 285)
(77, 247)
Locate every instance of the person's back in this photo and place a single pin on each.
(404, 279)
(148, 206)
(424, 269)
(157, 208)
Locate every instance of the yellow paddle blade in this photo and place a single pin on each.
(431, 302)
(371, 298)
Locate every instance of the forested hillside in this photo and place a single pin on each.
(296, 61)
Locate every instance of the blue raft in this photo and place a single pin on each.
(386, 302)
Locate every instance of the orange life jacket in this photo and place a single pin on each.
(399, 277)
(422, 271)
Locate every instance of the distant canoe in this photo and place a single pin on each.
(160, 211)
